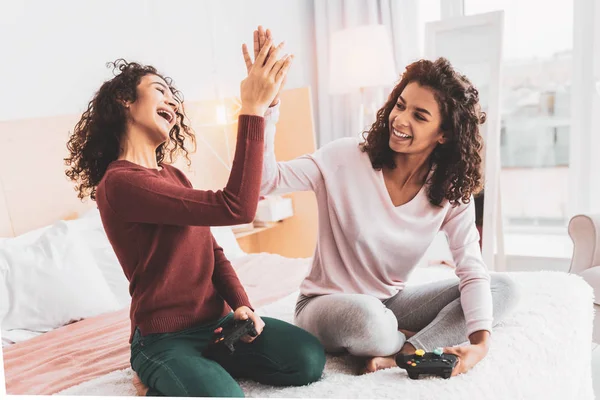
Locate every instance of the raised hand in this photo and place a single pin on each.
(260, 39)
(264, 80)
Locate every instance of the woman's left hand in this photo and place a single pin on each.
(243, 313)
(468, 356)
(260, 39)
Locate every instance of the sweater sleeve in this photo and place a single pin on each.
(226, 280)
(147, 198)
(474, 279)
(300, 174)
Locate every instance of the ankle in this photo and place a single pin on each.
(407, 349)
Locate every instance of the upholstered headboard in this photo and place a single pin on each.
(35, 192)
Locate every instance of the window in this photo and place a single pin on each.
(428, 11)
(535, 109)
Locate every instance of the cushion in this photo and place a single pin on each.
(51, 282)
(90, 229)
(26, 238)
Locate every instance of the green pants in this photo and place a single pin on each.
(171, 364)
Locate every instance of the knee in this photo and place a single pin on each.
(373, 318)
(375, 330)
(505, 291)
(309, 361)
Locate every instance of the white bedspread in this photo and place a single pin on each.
(542, 351)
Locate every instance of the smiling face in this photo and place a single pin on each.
(154, 110)
(415, 121)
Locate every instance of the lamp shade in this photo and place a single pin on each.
(360, 57)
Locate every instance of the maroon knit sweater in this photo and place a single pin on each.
(159, 227)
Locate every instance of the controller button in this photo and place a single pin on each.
(409, 362)
(438, 351)
(414, 365)
(420, 352)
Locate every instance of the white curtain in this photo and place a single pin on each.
(337, 115)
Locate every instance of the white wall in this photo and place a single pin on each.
(53, 53)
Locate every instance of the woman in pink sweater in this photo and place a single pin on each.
(381, 202)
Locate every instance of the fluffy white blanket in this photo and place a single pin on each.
(542, 351)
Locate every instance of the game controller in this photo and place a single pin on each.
(427, 363)
(229, 334)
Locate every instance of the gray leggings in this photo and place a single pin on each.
(366, 326)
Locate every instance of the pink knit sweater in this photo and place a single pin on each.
(367, 245)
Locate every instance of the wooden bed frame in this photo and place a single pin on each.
(34, 191)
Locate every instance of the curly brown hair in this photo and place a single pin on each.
(96, 139)
(457, 163)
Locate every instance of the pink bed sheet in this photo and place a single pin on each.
(91, 348)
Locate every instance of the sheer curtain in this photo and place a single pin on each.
(338, 114)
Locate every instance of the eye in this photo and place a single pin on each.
(400, 106)
(420, 117)
(160, 89)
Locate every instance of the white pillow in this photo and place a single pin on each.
(90, 229)
(26, 238)
(226, 239)
(17, 336)
(51, 282)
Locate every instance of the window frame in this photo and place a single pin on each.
(584, 141)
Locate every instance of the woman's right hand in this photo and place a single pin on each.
(264, 80)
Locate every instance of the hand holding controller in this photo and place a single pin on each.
(227, 336)
(427, 363)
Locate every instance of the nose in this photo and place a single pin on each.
(400, 121)
(173, 104)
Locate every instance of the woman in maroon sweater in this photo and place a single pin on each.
(182, 287)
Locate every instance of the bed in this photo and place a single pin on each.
(80, 347)
(529, 357)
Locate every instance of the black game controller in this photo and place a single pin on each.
(427, 363)
(230, 334)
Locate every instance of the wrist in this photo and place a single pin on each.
(253, 110)
(245, 309)
(480, 339)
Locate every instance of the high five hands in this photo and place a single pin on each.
(264, 40)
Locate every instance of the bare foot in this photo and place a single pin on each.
(140, 388)
(377, 363)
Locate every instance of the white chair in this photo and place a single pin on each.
(585, 233)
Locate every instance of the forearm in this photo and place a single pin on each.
(285, 176)
(243, 187)
(475, 295)
(229, 286)
(269, 168)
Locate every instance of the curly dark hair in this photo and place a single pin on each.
(457, 163)
(96, 139)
